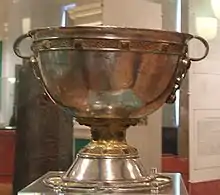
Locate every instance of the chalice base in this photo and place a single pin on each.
(176, 187)
(108, 163)
(107, 174)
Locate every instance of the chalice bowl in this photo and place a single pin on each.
(108, 78)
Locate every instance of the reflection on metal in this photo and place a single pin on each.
(109, 78)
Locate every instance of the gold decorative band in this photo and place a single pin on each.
(159, 47)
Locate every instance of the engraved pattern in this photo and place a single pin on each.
(108, 44)
(92, 43)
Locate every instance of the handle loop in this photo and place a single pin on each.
(205, 43)
(17, 43)
(33, 62)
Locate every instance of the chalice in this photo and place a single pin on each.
(108, 78)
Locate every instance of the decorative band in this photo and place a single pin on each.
(109, 45)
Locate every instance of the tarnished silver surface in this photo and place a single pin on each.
(108, 78)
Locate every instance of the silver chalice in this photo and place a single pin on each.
(108, 78)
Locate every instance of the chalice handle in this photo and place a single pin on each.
(16, 46)
(205, 43)
(33, 60)
(184, 65)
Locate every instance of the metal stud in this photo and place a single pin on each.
(124, 44)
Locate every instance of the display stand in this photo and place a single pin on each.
(39, 188)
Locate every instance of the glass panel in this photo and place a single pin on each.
(19, 17)
(7, 114)
(204, 91)
(172, 22)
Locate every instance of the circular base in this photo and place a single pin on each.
(152, 183)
